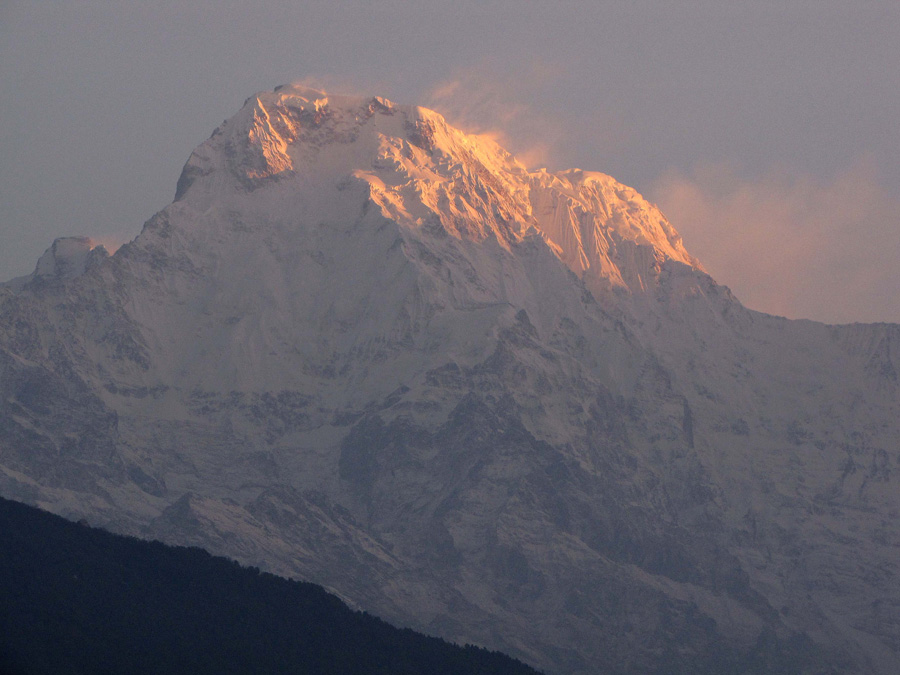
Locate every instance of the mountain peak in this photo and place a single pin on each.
(315, 149)
(68, 257)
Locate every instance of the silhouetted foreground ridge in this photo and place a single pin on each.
(80, 600)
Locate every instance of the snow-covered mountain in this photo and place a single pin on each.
(507, 407)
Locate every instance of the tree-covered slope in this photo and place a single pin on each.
(79, 600)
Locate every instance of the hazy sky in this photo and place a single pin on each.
(767, 131)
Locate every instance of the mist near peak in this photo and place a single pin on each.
(792, 245)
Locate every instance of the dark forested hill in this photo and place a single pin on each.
(79, 600)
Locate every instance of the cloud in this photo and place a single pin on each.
(795, 246)
(112, 242)
(503, 107)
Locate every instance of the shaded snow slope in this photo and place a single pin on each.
(507, 407)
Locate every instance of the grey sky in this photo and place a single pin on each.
(766, 130)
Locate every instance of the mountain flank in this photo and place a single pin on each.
(507, 407)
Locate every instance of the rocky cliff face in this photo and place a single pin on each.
(507, 407)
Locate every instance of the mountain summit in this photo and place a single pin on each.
(413, 168)
(506, 407)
